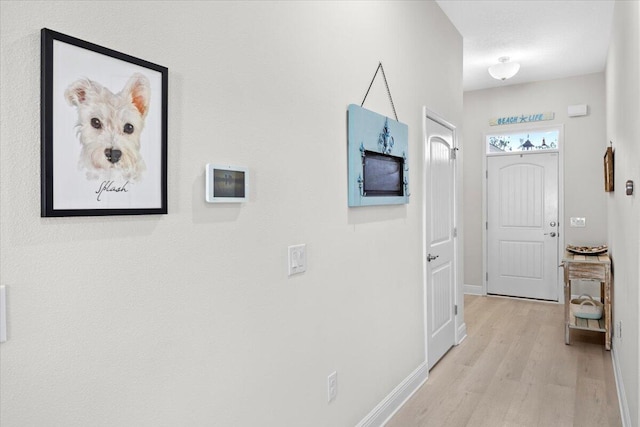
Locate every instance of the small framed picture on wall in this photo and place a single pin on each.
(104, 130)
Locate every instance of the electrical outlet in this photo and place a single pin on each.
(618, 331)
(297, 259)
(332, 386)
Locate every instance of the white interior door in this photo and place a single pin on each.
(439, 241)
(522, 226)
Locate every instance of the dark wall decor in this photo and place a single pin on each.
(103, 129)
(608, 170)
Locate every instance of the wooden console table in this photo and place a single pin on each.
(588, 267)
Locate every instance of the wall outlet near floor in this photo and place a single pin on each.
(578, 222)
(332, 386)
(297, 259)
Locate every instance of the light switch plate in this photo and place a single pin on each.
(297, 259)
(578, 222)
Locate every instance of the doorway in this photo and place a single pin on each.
(439, 238)
(523, 216)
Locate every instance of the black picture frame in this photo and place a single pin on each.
(103, 130)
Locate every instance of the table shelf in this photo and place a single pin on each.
(588, 267)
(596, 325)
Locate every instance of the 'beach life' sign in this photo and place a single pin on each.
(522, 118)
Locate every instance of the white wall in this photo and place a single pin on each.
(623, 128)
(190, 318)
(584, 194)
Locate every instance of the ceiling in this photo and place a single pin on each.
(550, 39)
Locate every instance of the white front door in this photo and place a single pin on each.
(439, 241)
(522, 226)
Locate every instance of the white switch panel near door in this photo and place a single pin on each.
(297, 259)
(578, 222)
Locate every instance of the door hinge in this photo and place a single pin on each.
(455, 310)
(486, 225)
(487, 276)
(486, 174)
(453, 153)
(455, 232)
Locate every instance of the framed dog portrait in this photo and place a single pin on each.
(104, 130)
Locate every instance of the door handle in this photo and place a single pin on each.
(552, 234)
(431, 257)
(552, 223)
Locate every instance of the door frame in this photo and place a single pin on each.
(485, 197)
(460, 326)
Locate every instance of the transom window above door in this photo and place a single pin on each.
(528, 141)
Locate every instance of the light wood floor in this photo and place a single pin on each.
(513, 369)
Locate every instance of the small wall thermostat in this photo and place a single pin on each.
(226, 184)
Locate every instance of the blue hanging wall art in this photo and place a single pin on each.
(378, 150)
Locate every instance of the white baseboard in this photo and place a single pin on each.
(393, 402)
(622, 397)
(473, 289)
(462, 333)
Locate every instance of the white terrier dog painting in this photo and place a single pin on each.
(109, 127)
(103, 130)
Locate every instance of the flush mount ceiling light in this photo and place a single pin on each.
(504, 69)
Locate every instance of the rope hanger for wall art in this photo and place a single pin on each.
(386, 84)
